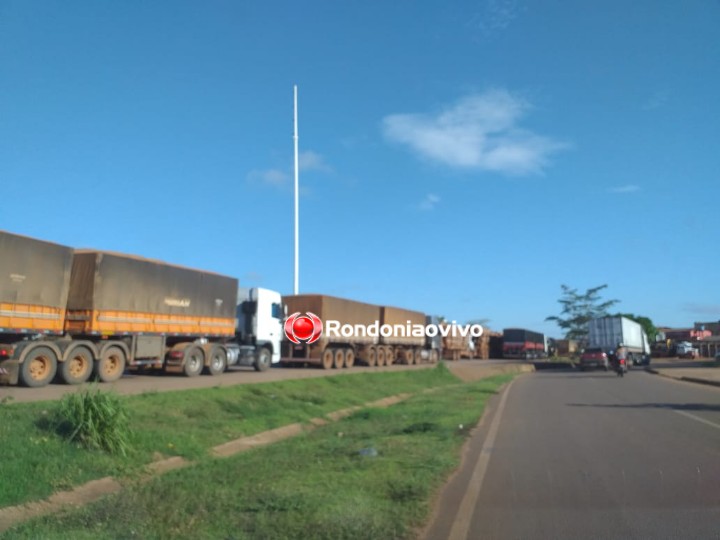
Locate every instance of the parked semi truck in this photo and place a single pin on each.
(68, 314)
(71, 313)
(369, 346)
(609, 332)
(522, 343)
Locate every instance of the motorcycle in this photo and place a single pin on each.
(621, 367)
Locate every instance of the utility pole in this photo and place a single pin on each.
(296, 288)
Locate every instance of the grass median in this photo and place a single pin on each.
(36, 459)
(371, 475)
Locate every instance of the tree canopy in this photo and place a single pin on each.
(578, 309)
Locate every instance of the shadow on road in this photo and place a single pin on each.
(673, 406)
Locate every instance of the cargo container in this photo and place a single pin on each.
(72, 314)
(522, 343)
(566, 347)
(404, 345)
(496, 345)
(352, 333)
(455, 347)
(331, 350)
(482, 345)
(34, 285)
(609, 332)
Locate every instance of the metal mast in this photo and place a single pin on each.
(297, 203)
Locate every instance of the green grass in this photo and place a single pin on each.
(98, 420)
(318, 485)
(36, 459)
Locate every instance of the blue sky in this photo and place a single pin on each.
(464, 158)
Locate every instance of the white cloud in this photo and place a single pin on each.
(495, 16)
(657, 100)
(272, 177)
(477, 132)
(312, 161)
(307, 161)
(629, 188)
(429, 202)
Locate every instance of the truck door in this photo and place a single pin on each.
(269, 320)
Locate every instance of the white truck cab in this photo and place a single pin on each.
(258, 327)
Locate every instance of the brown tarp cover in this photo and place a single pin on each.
(33, 272)
(336, 309)
(114, 282)
(393, 316)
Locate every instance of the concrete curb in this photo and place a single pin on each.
(696, 380)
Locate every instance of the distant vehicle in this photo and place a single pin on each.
(524, 344)
(609, 332)
(685, 349)
(594, 358)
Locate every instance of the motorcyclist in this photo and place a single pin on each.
(620, 354)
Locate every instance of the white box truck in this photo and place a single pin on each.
(609, 332)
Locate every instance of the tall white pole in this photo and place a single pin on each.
(297, 203)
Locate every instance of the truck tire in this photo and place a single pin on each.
(389, 356)
(370, 356)
(111, 364)
(380, 356)
(193, 361)
(328, 357)
(349, 358)
(39, 367)
(218, 361)
(339, 359)
(263, 360)
(77, 367)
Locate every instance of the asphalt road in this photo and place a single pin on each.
(137, 383)
(589, 455)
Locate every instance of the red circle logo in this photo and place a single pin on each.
(303, 328)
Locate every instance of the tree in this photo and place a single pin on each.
(578, 309)
(650, 330)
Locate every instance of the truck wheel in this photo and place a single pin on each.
(389, 356)
(218, 361)
(38, 368)
(263, 361)
(380, 356)
(193, 361)
(78, 366)
(111, 365)
(328, 356)
(349, 358)
(339, 359)
(370, 358)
